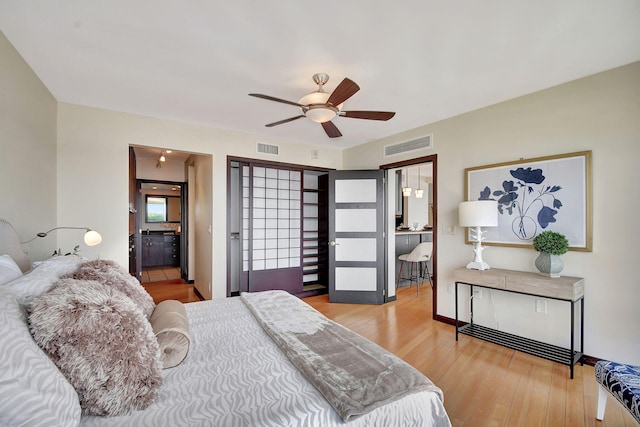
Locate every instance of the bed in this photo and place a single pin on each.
(248, 364)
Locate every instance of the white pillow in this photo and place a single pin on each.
(33, 392)
(62, 264)
(9, 270)
(42, 278)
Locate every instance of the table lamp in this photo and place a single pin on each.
(476, 214)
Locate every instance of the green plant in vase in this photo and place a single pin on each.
(551, 245)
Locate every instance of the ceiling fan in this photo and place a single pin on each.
(322, 107)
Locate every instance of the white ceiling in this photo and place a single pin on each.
(155, 153)
(196, 60)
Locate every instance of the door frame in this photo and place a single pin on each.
(262, 163)
(184, 225)
(433, 159)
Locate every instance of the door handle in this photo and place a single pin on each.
(235, 235)
(333, 243)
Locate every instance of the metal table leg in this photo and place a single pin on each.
(456, 292)
(572, 334)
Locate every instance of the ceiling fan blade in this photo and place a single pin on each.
(368, 115)
(290, 119)
(271, 98)
(331, 129)
(344, 91)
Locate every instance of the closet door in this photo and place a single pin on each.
(271, 228)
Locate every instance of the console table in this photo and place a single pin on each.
(569, 289)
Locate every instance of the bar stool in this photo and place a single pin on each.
(419, 255)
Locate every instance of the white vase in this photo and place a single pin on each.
(550, 265)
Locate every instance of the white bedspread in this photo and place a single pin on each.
(234, 375)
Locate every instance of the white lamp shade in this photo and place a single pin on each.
(478, 213)
(320, 115)
(92, 238)
(316, 112)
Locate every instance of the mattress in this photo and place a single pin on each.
(235, 375)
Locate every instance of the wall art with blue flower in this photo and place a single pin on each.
(534, 195)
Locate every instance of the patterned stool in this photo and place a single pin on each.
(623, 382)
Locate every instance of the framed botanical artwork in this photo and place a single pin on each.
(534, 195)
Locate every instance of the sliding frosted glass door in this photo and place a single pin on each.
(271, 224)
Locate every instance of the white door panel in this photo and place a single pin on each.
(356, 279)
(356, 191)
(357, 249)
(355, 220)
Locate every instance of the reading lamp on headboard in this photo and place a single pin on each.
(91, 237)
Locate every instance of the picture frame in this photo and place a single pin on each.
(534, 195)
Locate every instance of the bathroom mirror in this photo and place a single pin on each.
(162, 208)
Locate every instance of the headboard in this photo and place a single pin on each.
(10, 245)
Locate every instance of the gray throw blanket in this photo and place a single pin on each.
(352, 373)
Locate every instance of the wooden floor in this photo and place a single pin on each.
(171, 289)
(483, 384)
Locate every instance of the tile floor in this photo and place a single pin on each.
(157, 274)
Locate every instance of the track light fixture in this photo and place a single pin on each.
(161, 159)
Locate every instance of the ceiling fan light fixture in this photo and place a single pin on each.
(321, 114)
(322, 107)
(315, 107)
(313, 98)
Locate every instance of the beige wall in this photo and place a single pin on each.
(202, 228)
(27, 153)
(599, 113)
(93, 174)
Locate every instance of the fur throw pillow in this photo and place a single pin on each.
(102, 343)
(113, 274)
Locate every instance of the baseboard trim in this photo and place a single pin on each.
(445, 319)
(197, 292)
(590, 360)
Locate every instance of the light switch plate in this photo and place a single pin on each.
(449, 229)
(541, 306)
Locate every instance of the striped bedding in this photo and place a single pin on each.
(234, 375)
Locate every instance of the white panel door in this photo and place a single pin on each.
(356, 236)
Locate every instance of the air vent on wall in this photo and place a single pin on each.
(412, 145)
(266, 148)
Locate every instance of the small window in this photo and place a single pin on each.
(156, 209)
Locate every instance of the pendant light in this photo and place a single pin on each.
(406, 190)
(419, 191)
